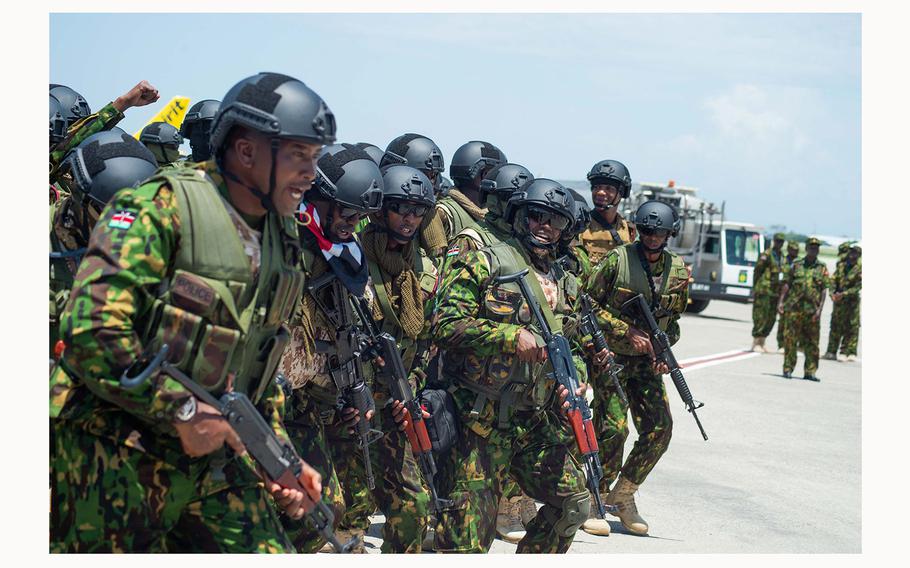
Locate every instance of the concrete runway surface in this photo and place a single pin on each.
(781, 471)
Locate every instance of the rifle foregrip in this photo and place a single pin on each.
(578, 429)
(682, 387)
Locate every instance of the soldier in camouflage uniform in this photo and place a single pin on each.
(506, 405)
(645, 267)
(792, 255)
(610, 183)
(766, 280)
(347, 188)
(845, 293)
(197, 127)
(164, 141)
(573, 255)
(421, 153)
(463, 206)
(403, 280)
(80, 124)
(801, 300)
(202, 260)
(111, 160)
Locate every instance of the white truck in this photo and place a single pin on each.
(721, 254)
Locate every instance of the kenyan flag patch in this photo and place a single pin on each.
(454, 251)
(122, 219)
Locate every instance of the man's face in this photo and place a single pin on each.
(811, 252)
(853, 256)
(340, 224)
(653, 239)
(404, 218)
(603, 195)
(295, 170)
(777, 244)
(546, 226)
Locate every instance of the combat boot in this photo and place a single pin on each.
(829, 356)
(344, 537)
(761, 343)
(812, 378)
(508, 520)
(623, 497)
(527, 509)
(756, 344)
(594, 524)
(851, 359)
(788, 375)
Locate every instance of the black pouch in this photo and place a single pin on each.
(442, 425)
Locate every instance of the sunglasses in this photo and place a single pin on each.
(349, 214)
(405, 209)
(545, 217)
(649, 232)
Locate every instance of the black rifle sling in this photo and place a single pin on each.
(608, 226)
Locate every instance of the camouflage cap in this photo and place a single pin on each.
(792, 245)
(844, 247)
(779, 237)
(813, 241)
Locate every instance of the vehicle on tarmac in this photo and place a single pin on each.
(721, 254)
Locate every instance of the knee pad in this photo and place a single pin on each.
(575, 510)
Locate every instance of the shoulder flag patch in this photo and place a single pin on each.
(122, 219)
(454, 251)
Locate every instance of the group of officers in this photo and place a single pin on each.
(795, 288)
(239, 268)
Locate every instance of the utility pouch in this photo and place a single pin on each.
(271, 352)
(178, 328)
(213, 357)
(442, 425)
(287, 290)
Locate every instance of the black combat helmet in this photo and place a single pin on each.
(501, 182)
(374, 151)
(197, 128)
(540, 196)
(417, 151)
(404, 188)
(163, 140)
(443, 185)
(72, 104)
(57, 122)
(107, 162)
(278, 106)
(472, 159)
(656, 216)
(582, 213)
(348, 176)
(611, 172)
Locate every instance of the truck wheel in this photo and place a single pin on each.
(697, 306)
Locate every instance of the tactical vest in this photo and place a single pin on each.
(599, 240)
(631, 280)
(502, 377)
(459, 219)
(214, 317)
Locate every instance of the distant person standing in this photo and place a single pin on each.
(792, 254)
(801, 302)
(766, 278)
(845, 291)
(610, 183)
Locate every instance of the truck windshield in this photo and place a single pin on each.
(742, 247)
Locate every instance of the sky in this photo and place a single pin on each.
(760, 111)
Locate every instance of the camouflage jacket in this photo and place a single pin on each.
(848, 280)
(767, 276)
(104, 119)
(600, 285)
(128, 259)
(806, 284)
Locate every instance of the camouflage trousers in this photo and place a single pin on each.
(801, 333)
(534, 449)
(307, 431)
(399, 492)
(781, 327)
(650, 409)
(764, 312)
(119, 488)
(844, 327)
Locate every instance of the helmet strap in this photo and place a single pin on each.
(264, 198)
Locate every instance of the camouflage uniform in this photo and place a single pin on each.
(600, 238)
(792, 254)
(65, 236)
(645, 390)
(508, 420)
(399, 492)
(104, 119)
(766, 281)
(806, 288)
(120, 480)
(458, 212)
(848, 280)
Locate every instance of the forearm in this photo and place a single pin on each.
(104, 119)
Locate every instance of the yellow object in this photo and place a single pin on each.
(172, 113)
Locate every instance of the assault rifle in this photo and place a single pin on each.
(386, 347)
(638, 310)
(277, 459)
(559, 353)
(345, 361)
(587, 324)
